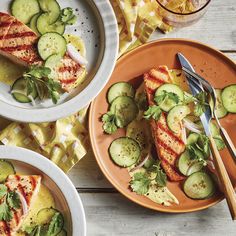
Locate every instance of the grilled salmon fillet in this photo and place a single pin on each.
(27, 187)
(19, 43)
(169, 145)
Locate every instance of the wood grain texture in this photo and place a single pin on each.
(216, 28)
(112, 215)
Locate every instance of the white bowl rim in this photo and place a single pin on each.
(57, 176)
(87, 94)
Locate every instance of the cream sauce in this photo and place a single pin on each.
(44, 199)
(9, 71)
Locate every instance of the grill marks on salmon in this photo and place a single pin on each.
(27, 187)
(19, 43)
(169, 145)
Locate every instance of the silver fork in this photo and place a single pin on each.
(208, 87)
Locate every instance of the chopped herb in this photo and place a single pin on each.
(161, 177)
(166, 95)
(37, 77)
(67, 16)
(55, 225)
(201, 104)
(109, 122)
(9, 200)
(3, 190)
(219, 142)
(13, 200)
(5, 212)
(203, 142)
(140, 183)
(153, 112)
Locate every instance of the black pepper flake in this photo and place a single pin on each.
(96, 45)
(75, 30)
(82, 23)
(76, 9)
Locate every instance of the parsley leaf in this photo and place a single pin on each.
(201, 104)
(5, 212)
(166, 95)
(219, 142)
(67, 16)
(140, 183)
(13, 200)
(153, 112)
(109, 124)
(161, 177)
(38, 77)
(3, 190)
(204, 143)
(55, 225)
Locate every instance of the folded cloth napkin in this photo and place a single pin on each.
(66, 141)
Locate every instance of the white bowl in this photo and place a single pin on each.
(97, 26)
(66, 197)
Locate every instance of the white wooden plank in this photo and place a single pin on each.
(112, 215)
(86, 174)
(217, 28)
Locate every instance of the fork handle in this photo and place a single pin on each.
(224, 179)
(228, 142)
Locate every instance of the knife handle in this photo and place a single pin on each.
(224, 179)
(228, 142)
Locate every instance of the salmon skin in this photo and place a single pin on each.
(19, 43)
(169, 145)
(27, 187)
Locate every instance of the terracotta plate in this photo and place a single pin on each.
(209, 63)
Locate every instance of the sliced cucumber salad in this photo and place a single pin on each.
(124, 151)
(168, 96)
(120, 89)
(50, 44)
(229, 98)
(199, 185)
(169, 99)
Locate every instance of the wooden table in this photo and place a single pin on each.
(108, 212)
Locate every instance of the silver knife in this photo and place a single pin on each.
(226, 185)
(195, 89)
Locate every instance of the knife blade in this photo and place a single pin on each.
(196, 89)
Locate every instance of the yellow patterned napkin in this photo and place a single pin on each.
(137, 20)
(65, 141)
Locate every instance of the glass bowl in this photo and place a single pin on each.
(184, 15)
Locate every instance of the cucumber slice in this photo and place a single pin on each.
(24, 10)
(229, 98)
(21, 86)
(187, 166)
(45, 215)
(199, 185)
(7, 169)
(51, 43)
(53, 62)
(33, 23)
(140, 132)
(120, 89)
(52, 8)
(192, 138)
(220, 110)
(125, 109)
(124, 151)
(175, 116)
(168, 103)
(44, 26)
